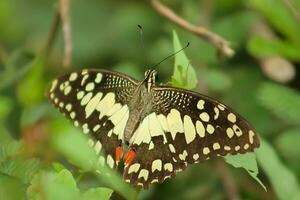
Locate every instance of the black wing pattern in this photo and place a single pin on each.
(185, 127)
(97, 101)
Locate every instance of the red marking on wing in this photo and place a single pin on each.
(129, 156)
(119, 151)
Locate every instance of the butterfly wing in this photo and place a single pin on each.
(202, 126)
(152, 163)
(97, 101)
(185, 127)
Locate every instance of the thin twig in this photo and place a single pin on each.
(52, 33)
(228, 180)
(64, 6)
(222, 45)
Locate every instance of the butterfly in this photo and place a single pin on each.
(164, 128)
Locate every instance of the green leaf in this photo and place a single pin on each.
(278, 14)
(50, 185)
(184, 75)
(288, 143)
(17, 65)
(11, 188)
(281, 100)
(61, 186)
(5, 107)
(79, 153)
(246, 161)
(97, 193)
(33, 82)
(262, 47)
(283, 181)
(20, 168)
(58, 166)
(78, 150)
(8, 149)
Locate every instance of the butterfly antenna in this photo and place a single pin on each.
(173, 54)
(141, 35)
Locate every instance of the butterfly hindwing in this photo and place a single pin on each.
(97, 101)
(151, 164)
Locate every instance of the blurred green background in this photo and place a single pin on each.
(261, 82)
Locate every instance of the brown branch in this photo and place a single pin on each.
(228, 181)
(64, 6)
(222, 45)
(52, 33)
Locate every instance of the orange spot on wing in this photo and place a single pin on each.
(129, 157)
(119, 151)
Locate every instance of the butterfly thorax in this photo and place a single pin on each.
(140, 104)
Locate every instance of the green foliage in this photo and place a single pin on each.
(32, 114)
(15, 170)
(11, 188)
(13, 164)
(34, 79)
(261, 47)
(80, 154)
(62, 185)
(184, 75)
(20, 168)
(247, 161)
(15, 67)
(97, 193)
(241, 21)
(282, 179)
(216, 80)
(8, 149)
(5, 107)
(282, 101)
(53, 158)
(288, 144)
(280, 17)
(50, 185)
(77, 150)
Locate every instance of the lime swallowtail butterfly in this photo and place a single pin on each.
(165, 128)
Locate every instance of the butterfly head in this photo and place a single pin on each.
(149, 80)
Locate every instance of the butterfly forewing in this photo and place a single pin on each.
(201, 127)
(97, 101)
